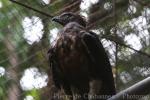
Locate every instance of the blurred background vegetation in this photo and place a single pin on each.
(123, 27)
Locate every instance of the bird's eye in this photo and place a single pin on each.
(67, 16)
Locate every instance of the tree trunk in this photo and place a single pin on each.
(12, 71)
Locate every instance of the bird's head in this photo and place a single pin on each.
(68, 17)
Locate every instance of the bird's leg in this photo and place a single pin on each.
(80, 92)
(95, 87)
(68, 92)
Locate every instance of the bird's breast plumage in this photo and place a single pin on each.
(72, 55)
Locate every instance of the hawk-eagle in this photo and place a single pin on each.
(80, 65)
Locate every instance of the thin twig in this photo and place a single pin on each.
(31, 8)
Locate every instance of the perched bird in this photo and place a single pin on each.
(80, 65)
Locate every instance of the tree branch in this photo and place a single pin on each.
(134, 92)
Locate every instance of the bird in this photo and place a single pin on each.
(80, 65)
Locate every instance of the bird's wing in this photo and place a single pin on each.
(96, 51)
(99, 58)
(56, 71)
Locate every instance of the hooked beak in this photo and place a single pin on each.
(58, 20)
